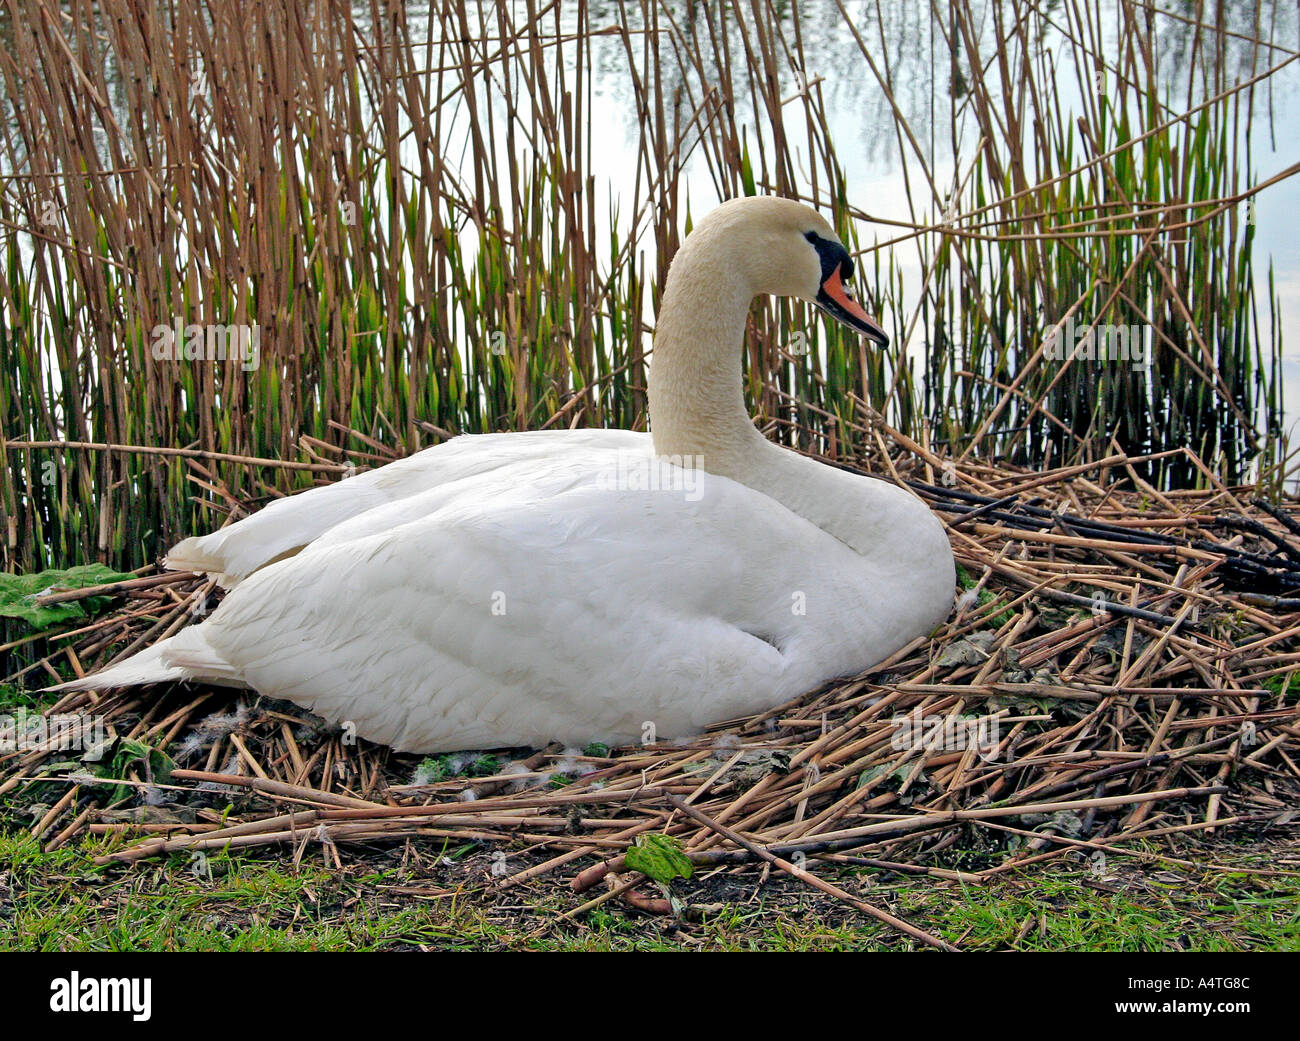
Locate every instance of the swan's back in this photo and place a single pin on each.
(287, 525)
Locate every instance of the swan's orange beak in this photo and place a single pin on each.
(834, 299)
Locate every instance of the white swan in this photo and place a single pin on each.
(514, 589)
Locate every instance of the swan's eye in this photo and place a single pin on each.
(811, 236)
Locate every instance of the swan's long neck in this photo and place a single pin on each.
(697, 405)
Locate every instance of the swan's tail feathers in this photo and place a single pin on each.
(192, 554)
(185, 656)
(145, 667)
(188, 555)
(229, 564)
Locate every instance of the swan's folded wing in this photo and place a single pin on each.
(286, 526)
(520, 612)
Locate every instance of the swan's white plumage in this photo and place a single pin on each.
(530, 601)
(288, 524)
(515, 589)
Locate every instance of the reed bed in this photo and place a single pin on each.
(408, 212)
(1120, 661)
(1137, 211)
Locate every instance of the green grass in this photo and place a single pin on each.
(59, 901)
(12, 698)
(56, 901)
(1070, 911)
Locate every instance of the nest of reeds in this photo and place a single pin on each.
(1117, 668)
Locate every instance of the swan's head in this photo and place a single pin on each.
(784, 248)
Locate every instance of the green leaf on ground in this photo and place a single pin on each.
(659, 857)
(18, 594)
